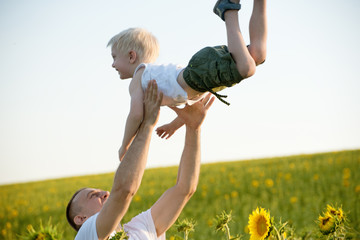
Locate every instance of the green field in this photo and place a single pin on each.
(293, 188)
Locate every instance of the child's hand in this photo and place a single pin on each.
(194, 115)
(165, 131)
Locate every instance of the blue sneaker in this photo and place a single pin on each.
(222, 6)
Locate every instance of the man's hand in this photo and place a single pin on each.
(152, 102)
(194, 115)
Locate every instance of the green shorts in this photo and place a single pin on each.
(212, 69)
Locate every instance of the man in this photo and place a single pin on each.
(96, 214)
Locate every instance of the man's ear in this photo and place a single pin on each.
(132, 56)
(79, 220)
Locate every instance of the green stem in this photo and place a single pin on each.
(277, 233)
(227, 231)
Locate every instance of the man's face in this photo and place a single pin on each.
(91, 200)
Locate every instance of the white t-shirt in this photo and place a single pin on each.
(166, 79)
(141, 227)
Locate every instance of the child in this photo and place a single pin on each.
(209, 70)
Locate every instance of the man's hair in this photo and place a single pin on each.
(72, 211)
(139, 40)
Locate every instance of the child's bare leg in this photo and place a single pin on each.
(258, 32)
(236, 44)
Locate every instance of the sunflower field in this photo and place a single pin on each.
(313, 196)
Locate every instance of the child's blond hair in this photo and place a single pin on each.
(139, 40)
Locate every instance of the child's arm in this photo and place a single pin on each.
(135, 116)
(169, 129)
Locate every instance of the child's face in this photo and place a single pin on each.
(121, 63)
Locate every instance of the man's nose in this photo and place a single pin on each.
(105, 194)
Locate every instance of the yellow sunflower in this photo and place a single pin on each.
(336, 212)
(259, 224)
(327, 223)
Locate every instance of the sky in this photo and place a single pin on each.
(63, 108)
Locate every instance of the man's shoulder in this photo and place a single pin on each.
(88, 230)
(142, 227)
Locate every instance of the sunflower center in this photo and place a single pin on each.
(261, 226)
(325, 221)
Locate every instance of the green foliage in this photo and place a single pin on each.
(186, 226)
(120, 235)
(222, 224)
(49, 232)
(222, 221)
(295, 188)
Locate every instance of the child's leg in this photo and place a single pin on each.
(258, 32)
(236, 44)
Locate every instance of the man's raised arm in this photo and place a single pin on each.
(130, 172)
(168, 208)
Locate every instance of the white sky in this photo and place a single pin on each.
(63, 108)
